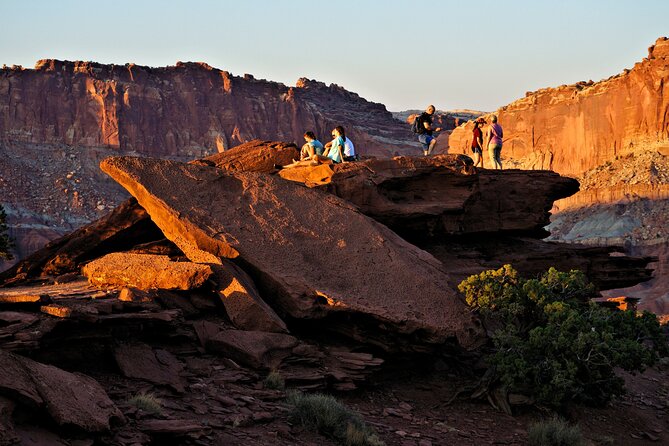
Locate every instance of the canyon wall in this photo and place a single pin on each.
(186, 110)
(573, 128)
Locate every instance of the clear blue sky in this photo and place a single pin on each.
(404, 54)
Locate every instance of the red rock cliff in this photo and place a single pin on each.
(190, 109)
(571, 129)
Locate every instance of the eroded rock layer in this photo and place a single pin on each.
(429, 197)
(185, 110)
(570, 129)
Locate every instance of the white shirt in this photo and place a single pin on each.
(349, 150)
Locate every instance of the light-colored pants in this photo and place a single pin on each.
(495, 152)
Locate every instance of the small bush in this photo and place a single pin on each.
(552, 343)
(147, 402)
(326, 415)
(274, 381)
(554, 432)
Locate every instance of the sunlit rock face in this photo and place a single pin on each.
(187, 110)
(574, 128)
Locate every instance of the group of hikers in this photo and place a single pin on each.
(490, 138)
(341, 149)
(313, 152)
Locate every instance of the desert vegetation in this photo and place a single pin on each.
(552, 343)
(147, 402)
(328, 416)
(554, 432)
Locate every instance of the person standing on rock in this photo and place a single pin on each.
(494, 138)
(311, 147)
(477, 142)
(425, 130)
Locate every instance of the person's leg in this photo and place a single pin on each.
(491, 154)
(433, 142)
(426, 145)
(476, 157)
(498, 157)
(304, 153)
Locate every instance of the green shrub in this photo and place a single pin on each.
(274, 381)
(326, 415)
(554, 432)
(552, 343)
(147, 402)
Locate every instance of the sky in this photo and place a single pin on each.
(404, 54)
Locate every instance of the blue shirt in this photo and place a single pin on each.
(333, 154)
(317, 146)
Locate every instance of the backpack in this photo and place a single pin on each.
(417, 125)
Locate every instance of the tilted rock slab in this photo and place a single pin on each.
(242, 301)
(145, 272)
(311, 254)
(69, 398)
(126, 225)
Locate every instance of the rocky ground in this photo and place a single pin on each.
(213, 278)
(206, 397)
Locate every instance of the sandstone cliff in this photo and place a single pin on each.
(186, 110)
(573, 128)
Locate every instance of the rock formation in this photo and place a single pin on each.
(300, 247)
(612, 135)
(186, 110)
(573, 128)
(419, 198)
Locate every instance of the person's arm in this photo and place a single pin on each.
(429, 128)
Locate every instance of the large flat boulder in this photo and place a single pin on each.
(312, 255)
(70, 399)
(145, 272)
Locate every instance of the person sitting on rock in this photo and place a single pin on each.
(311, 147)
(425, 131)
(349, 148)
(333, 152)
(335, 148)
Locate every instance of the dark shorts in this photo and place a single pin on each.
(477, 150)
(425, 140)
